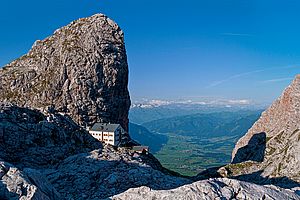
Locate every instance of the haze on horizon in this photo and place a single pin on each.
(179, 49)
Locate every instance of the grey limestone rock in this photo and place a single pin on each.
(33, 139)
(48, 154)
(271, 147)
(28, 184)
(81, 70)
(103, 173)
(212, 189)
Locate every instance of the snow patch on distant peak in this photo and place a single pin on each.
(152, 103)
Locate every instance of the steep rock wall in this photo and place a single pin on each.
(273, 142)
(81, 70)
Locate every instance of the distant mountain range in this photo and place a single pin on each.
(200, 102)
(143, 111)
(206, 125)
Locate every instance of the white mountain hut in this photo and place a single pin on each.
(107, 133)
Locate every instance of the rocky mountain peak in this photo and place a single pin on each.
(273, 143)
(80, 70)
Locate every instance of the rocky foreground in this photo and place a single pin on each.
(47, 156)
(221, 188)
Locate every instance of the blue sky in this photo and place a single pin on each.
(235, 49)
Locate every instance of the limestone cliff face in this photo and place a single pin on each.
(80, 70)
(34, 139)
(273, 142)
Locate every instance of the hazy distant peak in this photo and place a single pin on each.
(152, 103)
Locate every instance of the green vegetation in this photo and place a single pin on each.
(237, 168)
(206, 125)
(278, 137)
(271, 151)
(194, 142)
(268, 139)
(191, 155)
(11, 95)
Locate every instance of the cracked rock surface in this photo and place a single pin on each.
(221, 188)
(48, 156)
(80, 70)
(103, 173)
(29, 138)
(27, 184)
(271, 147)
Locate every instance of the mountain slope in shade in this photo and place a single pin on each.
(29, 138)
(206, 125)
(270, 149)
(145, 137)
(80, 70)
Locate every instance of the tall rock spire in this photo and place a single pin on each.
(80, 70)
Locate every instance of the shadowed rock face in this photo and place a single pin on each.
(254, 150)
(80, 70)
(281, 125)
(29, 138)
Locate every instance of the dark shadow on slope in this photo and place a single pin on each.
(207, 174)
(145, 137)
(155, 164)
(257, 178)
(31, 139)
(254, 150)
(86, 176)
(5, 194)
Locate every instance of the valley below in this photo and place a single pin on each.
(189, 155)
(190, 142)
